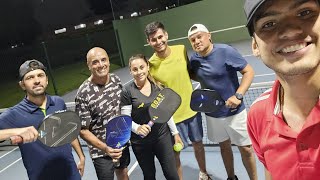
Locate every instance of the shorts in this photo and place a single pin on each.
(104, 165)
(191, 128)
(160, 148)
(232, 127)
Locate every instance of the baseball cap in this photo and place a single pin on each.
(30, 65)
(197, 28)
(250, 8)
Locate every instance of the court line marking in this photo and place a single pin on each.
(248, 55)
(198, 86)
(9, 152)
(133, 167)
(212, 32)
(259, 75)
(128, 82)
(10, 165)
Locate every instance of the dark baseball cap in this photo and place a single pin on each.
(250, 8)
(30, 65)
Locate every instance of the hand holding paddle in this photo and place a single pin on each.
(57, 129)
(233, 102)
(206, 100)
(24, 135)
(115, 154)
(118, 133)
(143, 130)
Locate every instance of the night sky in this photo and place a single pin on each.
(22, 21)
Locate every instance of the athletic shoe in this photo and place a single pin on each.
(204, 176)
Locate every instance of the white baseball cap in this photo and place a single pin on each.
(197, 28)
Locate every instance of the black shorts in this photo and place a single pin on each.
(104, 165)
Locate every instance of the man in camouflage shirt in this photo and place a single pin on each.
(97, 101)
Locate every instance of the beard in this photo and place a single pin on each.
(36, 93)
(294, 70)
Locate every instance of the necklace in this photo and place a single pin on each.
(281, 98)
(281, 101)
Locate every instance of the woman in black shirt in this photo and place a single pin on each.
(157, 140)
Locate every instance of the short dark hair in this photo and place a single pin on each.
(256, 15)
(153, 27)
(253, 9)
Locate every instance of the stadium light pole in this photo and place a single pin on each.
(49, 67)
(117, 37)
(114, 18)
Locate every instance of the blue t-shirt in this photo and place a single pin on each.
(41, 162)
(218, 71)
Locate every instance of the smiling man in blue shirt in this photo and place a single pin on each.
(41, 162)
(215, 66)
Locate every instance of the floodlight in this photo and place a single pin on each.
(80, 26)
(59, 31)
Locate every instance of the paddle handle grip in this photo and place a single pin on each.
(16, 139)
(150, 124)
(116, 162)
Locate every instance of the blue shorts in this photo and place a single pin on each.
(191, 129)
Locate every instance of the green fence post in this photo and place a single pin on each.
(49, 67)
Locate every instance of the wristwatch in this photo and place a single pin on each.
(239, 96)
